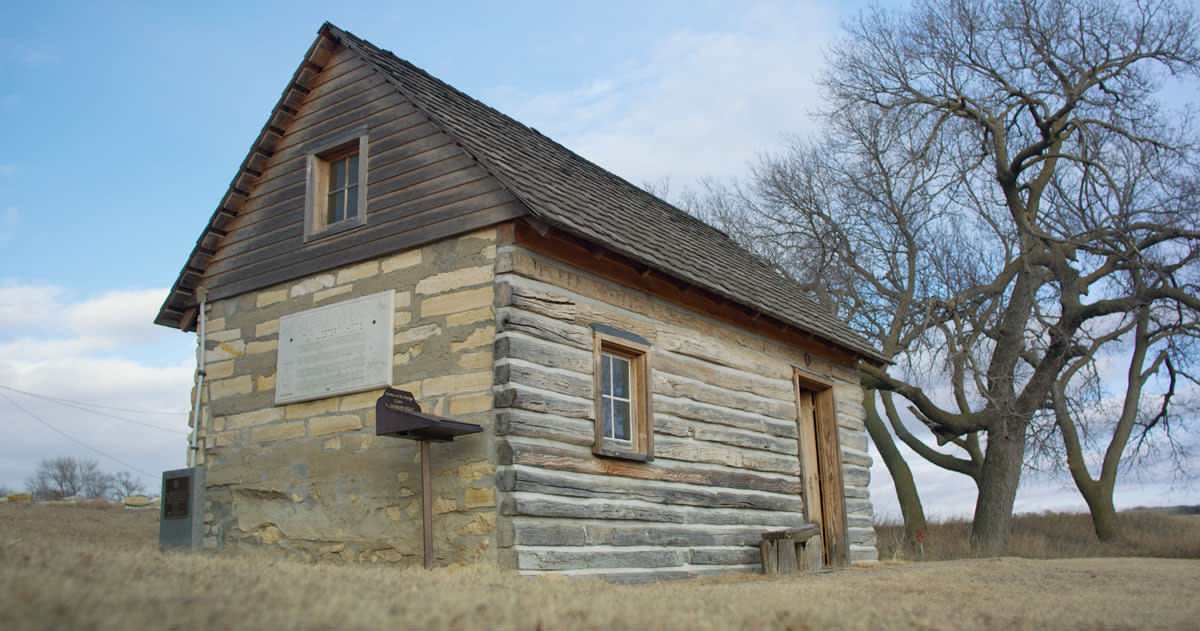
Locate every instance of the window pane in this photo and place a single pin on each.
(337, 174)
(605, 374)
(352, 202)
(620, 377)
(352, 169)
(620, 422)
(337, 207)
(606, 416)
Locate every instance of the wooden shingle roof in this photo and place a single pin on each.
(578, 197)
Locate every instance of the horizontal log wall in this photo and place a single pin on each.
(726, 465)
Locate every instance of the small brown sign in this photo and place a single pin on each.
(176, 498)
(399, 401)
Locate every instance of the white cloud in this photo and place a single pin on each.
(23, 306)
(39, 321)
(102, 351)
(120, 316)
(702, 104)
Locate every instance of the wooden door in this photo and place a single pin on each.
(821, 465)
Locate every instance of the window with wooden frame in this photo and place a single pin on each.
(621, 374)
(336, 193)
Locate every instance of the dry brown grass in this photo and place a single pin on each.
(69, 568)
(1159, 532)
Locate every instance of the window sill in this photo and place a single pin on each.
(622, 454)
(335, 229)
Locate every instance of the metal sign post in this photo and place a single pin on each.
(397, 413)
(427, 504)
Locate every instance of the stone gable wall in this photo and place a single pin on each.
(311, 480)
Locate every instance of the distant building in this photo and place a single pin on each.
(653, 397)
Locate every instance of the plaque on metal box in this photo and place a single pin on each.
(176, 497)
(336, 349)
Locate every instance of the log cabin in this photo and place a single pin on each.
(653, 398)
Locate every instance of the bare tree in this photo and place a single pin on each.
(67, 476)
(125, 484)
(96, 483)
(999, 187)
(55, 478)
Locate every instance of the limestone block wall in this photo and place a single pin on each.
(726, 449)
(312, 480)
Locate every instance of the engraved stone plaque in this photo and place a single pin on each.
(336, 349)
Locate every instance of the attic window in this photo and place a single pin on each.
(336, 193)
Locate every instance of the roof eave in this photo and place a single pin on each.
(182, 295)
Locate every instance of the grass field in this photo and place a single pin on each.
(1157, 532)
(73, 567)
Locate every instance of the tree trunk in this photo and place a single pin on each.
(902, 478)
(1104, 513)
(998, 482)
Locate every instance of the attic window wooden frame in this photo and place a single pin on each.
(316, 224)
(640, 447)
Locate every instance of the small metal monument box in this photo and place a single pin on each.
(398, 414)
(182, 505)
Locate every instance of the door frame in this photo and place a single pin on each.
(821, 463)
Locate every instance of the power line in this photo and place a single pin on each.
(85, 404)
(85, 408)
(73, 439)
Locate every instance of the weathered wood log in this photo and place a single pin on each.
(854, 456)
(516, 345)
(515, 396)
(566, 459)
(858, 506)
(676, 426)
(647, 575)
(523, 423)
(538, 505)
(546, 328)
(848, 424)
(856, 520)
(708, 348)
(744, 555)
(862, 535)
(672, 534)
(708, 413)
(690, 450)
(542, 532)
(543, 378)
(562, 558)
(683, 387)
(857, 492)
(551, 482)
(854, 475)
(853, 440)
(709, 372)
(544, 300)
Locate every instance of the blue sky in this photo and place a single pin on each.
(121, 125)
